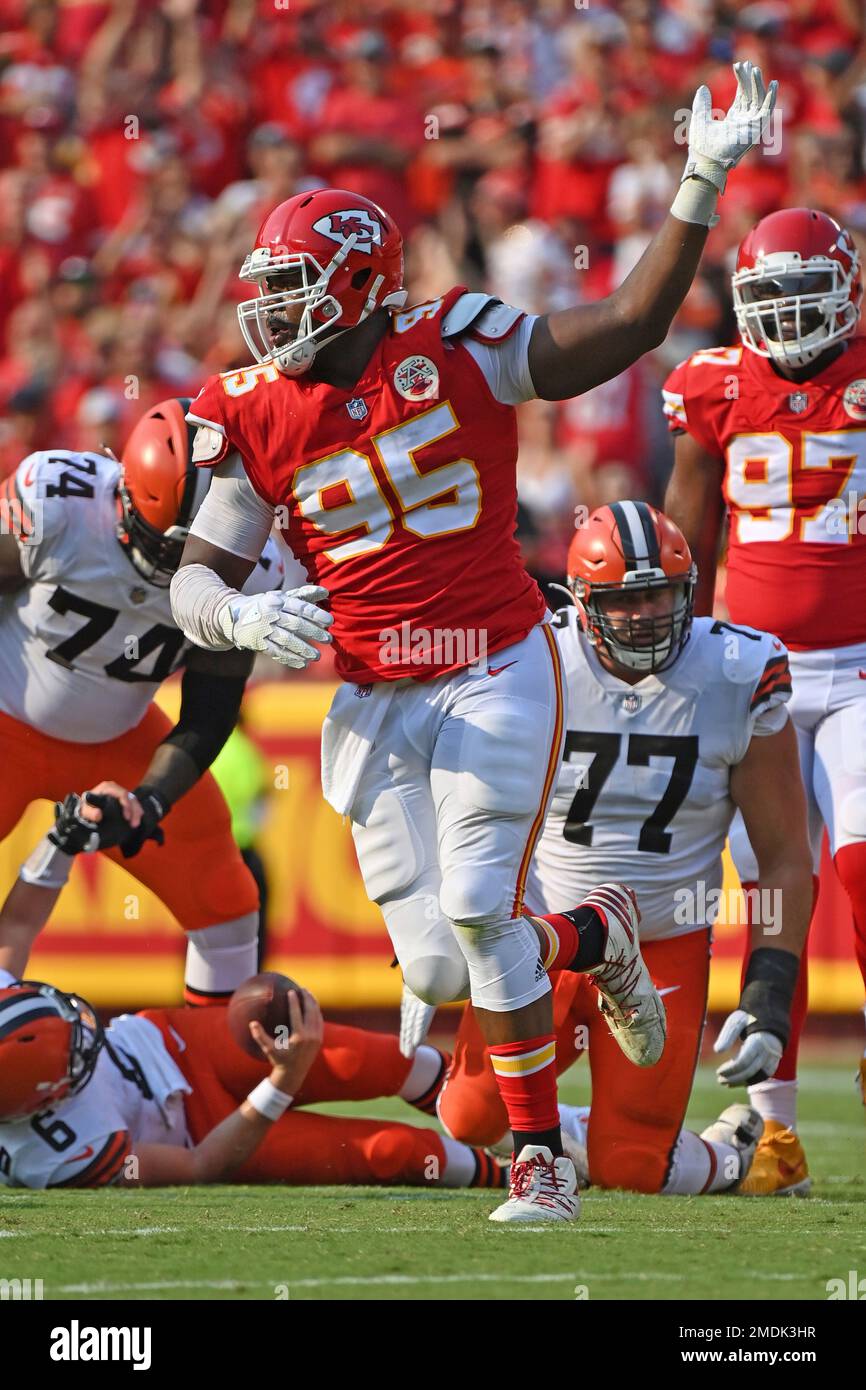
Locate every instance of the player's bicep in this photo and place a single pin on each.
(694, 501)
(161, 1165)
(99, 1162)
(767, 787)
(693, 498)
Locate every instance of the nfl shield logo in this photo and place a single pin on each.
(631, 702)
(357, 408)
(798, 401)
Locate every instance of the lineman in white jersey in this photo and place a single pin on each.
(673, 724)
(87, 550)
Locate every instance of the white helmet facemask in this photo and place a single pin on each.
(791, 310)
(268, 325)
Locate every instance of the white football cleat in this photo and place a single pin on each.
(629, 1000)
(542, 1188)
(741, 1127)
(415, 1020)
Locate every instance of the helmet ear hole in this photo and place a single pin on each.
(360, 278)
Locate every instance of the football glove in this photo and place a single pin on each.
(281, 624)
(75, 835)
(415, 1020)
(762, 1021)
(72, 833)
(758, 1057)
(717, 146)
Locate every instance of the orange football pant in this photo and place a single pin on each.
(637, 1112)
(301, 1148)
(198, 873)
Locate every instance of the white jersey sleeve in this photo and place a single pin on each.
(232, 515)
(87, 641)
(496, 336)
(49, 486)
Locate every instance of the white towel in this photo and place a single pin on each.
(348, 734)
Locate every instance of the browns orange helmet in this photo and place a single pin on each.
(160, 490)
(627, 549)
(49, 1044)
(323, 261)
(797, 286)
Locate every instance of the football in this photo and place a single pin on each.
(263, 998)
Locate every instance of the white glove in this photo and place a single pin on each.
(415, 1020)
(756, 1060)
(282, 624)
(716, 146)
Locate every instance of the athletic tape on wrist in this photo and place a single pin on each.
(47, 867)
(269, 1101)
(695, 202)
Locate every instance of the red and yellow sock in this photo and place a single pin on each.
(525, 1073)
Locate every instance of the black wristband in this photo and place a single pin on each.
(768, 991)
(153, 802)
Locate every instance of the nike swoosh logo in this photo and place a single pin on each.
(28, 476)
(85, 1153)
(495, 670)
(788, 1170)
(670, 989)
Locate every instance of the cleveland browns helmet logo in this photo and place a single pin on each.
(356, 222)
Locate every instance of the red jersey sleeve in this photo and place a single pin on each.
(207, 415)
(695, 394)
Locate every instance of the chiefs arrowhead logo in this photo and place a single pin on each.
(339, 226)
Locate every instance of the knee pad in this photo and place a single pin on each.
(220, 958)
(467, 1113)
(392, 1154)
(472, 896)
(636, 1167)
(506, 971)
(438, 979)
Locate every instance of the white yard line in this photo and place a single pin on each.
(394, 1281)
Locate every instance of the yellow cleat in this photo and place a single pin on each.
(779, 1167)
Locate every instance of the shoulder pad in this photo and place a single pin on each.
(489, 319)
(744, 651)
(565, 617)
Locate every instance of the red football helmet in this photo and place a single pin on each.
(623, 549)
(797, 286)
(332, 255)
(160, 490)
(49, 1045)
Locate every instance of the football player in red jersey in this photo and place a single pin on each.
(775, 431)
(384, 441)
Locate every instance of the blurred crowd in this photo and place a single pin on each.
(527, 147)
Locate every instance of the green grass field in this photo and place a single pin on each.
(343, 1243)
